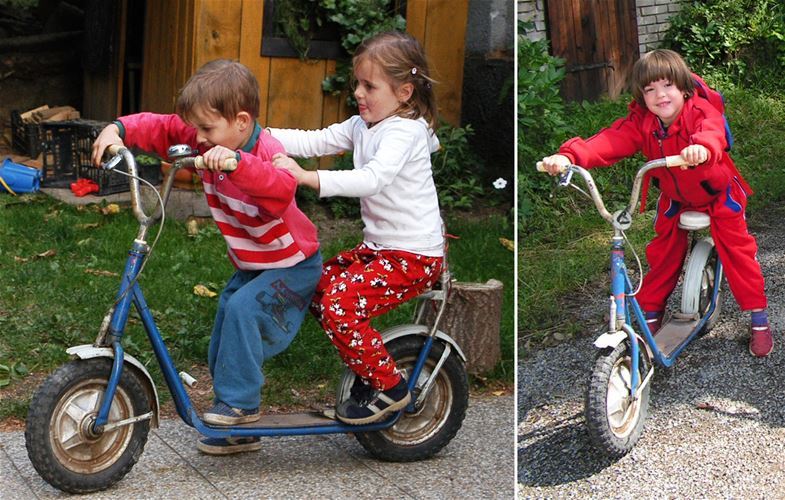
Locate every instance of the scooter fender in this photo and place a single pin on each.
(610, 339)
(88, 351)
(388, 335)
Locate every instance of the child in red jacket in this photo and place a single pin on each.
(667, 118)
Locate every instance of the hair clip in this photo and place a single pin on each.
(414, 71)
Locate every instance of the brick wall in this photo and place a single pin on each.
(533, 10)
(653, 16)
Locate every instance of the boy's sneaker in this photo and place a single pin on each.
(761, 341)
(379, 404)
(223, 414)
(228, 446)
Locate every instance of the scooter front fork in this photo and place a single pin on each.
(111, 386)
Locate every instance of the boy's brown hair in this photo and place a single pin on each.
(657, 65)
(402, 59)
(224, 86)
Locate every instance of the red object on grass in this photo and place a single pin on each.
(84, 187)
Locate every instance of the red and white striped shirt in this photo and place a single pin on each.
(253, 206)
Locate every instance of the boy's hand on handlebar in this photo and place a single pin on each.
(694, 154)
(214, 158)
(555, 164)
(108, 136)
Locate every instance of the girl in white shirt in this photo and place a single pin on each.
(401, 255)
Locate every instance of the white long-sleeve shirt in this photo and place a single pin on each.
(392, 176)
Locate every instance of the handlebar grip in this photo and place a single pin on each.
(541, 168)
(229, 164)
(113, 149)
(675, 161)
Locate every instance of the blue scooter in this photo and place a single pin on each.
(89, 420)
(617, 396)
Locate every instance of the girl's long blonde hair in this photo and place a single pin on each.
(402, 59)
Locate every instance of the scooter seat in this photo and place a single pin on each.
(693, 221)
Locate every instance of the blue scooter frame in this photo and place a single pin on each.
(617, 394)
(85, 431)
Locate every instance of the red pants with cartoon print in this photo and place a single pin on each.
(736, 248)
(360, 284)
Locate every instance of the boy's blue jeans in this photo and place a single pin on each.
(259, 313)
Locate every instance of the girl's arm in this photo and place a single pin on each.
(307, 178)
(334, 139)
(401, 142)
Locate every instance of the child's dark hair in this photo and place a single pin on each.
(224, 86)
(402, 59)
(661, 64)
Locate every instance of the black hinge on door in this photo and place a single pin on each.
(586, 67)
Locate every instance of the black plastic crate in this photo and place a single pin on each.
(67, 146)
(25, 137)
(60, 161)
(110, 182)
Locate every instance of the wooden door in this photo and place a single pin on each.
(598, 40)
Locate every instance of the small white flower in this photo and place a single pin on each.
(500, 183)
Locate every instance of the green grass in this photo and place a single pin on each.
(564, 244)
(56, 283)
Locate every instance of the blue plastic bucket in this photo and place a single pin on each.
(19, 178)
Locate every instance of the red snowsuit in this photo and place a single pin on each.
(714, 187)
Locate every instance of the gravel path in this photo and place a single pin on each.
(716, 425)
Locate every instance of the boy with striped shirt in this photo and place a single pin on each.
(271, 243)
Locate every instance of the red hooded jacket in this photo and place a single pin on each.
(698, 123)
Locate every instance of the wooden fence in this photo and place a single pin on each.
(181, 35)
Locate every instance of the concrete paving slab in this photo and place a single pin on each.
(12, 484)
(183, 203)
(160, 473)
(285, 467)
(478, 463)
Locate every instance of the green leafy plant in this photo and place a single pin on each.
(351, 20)
(739, 40)
(541, 117)
(456, 168)
(356, 21)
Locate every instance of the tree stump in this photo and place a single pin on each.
(473, 319)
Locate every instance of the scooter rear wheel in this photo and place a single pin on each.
(615, 420)
(58, 434)
(700, 282)
(436, 419)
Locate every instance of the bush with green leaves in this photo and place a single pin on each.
(456, 168)
(541, 118)
(739, 42)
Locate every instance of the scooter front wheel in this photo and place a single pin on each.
(422, 433)
(59, 434)
(614, 419)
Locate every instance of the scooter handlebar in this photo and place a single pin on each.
(541, 168)
(229, 163)
(675, 161)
